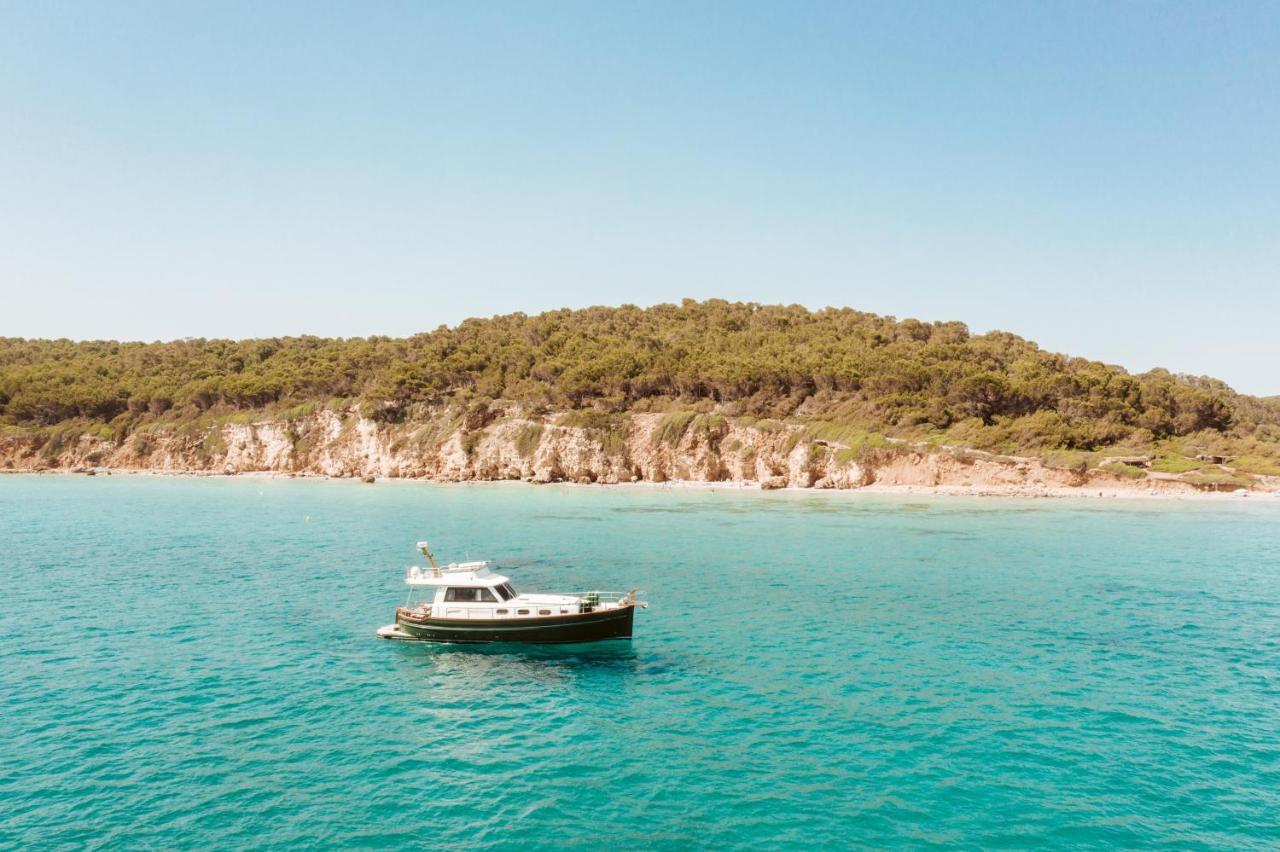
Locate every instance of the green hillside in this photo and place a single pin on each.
(930, 382)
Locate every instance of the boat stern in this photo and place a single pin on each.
(392, 631)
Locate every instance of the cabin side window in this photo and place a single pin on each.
(455, 594)
(487, 596)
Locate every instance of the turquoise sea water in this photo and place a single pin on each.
(192, 663)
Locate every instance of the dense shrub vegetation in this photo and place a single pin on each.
(928, 381)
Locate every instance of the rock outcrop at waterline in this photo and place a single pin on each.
(516, 446)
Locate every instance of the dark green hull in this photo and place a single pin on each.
(555, 629)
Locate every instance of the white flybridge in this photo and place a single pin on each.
(468, 602)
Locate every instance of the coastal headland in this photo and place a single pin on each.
(702, 392)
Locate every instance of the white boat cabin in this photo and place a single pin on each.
(471, 590)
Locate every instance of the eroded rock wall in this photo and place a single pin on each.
(514, 445)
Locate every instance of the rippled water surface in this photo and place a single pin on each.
(192, 662)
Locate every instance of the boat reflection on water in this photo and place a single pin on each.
(511, 661)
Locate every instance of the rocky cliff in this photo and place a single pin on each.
(512, 445)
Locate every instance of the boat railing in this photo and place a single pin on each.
(600, 595)
(589, 600)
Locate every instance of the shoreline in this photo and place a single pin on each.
(342, 445)
(1047, 492)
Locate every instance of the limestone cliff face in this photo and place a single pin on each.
(512, 445)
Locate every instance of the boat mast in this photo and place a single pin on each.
(422, 545)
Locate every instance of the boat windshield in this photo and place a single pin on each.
(506, 591)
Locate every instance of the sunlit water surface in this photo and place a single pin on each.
(192, 662)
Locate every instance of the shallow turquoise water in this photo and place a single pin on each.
(192, 662)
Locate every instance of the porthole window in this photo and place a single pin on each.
(544, 612)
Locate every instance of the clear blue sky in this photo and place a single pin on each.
(1101, 178)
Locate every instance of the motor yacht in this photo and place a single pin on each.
(470, 602)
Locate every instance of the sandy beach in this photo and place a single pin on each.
(943, 490)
